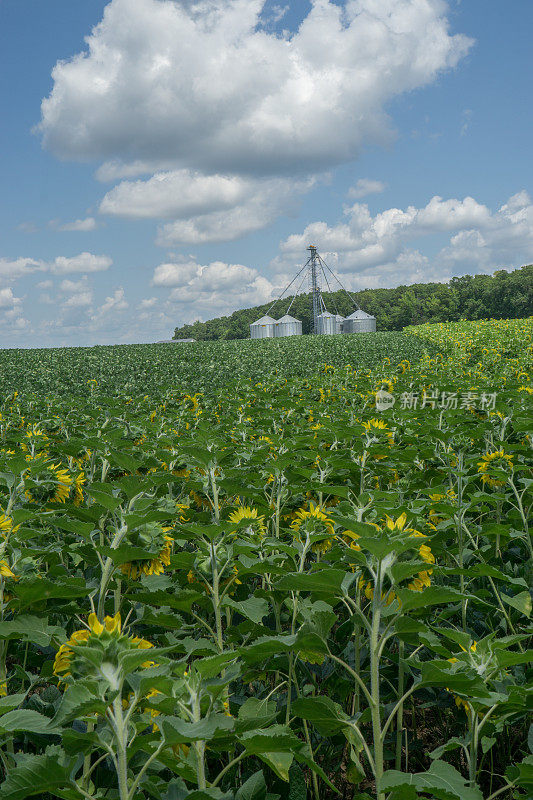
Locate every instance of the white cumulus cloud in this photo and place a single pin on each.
(84, 262)
(7, 298)
(79, 299)
(364, 187)
(265, 201)
(15, 269)
(181, 193)
(69, 286)
(212, 289)
(19, 267)
(229, 117)
(83, 225)
(378, 250)
(148, 302)
(205, 86)
(115, 302)
(205, 208)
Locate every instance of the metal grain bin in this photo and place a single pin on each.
(327, 323)
(338, 323)
(359, 322)
(262, 328)
(288, 326)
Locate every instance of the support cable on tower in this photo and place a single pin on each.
(323, 322)
(354, 301)
(288, 287)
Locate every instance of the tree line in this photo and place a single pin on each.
(503, 295)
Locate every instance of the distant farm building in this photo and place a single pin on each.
(324, 323)
(263, 328)
(288, 326)
(359, 322)
(175, 341)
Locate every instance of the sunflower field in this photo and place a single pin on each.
(269, 570)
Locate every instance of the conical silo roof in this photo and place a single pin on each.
(360, 314)
(326, 314)
(266, 320)
(288, 318)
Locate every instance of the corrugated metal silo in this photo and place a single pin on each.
(327, 323)
(338, 323)
(288, 326)
(262, 328)
(359, 322)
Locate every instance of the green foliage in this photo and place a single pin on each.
(251, 583)
(124, 371)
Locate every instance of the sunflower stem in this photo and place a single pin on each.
(278, 509)
(295, 599)
(374, 684)
(3, 679)
(118, 595)
(121, 742)
(107, 572)
(399, 717)
(214, 489)
(357, 666)
(460, 535)
(86, 777)
(199, 746)
(474, 735)
(216, 598)
(522, 513)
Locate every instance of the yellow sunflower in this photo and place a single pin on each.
(419, 583)
(315, 521)
(399, 525)
(151, 566)
(78, 488)
(377, 431)
(6, 571)
(64, 655)
(37, 439)
(437, 498)
(6, 525)
(459, 702)
(349, 538)
(182, 511)
(368, 590)
(51, 485)
(499, 460)
(107, 634)
(199, 501)
(256, 523)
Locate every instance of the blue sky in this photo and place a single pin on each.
(186, 154)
